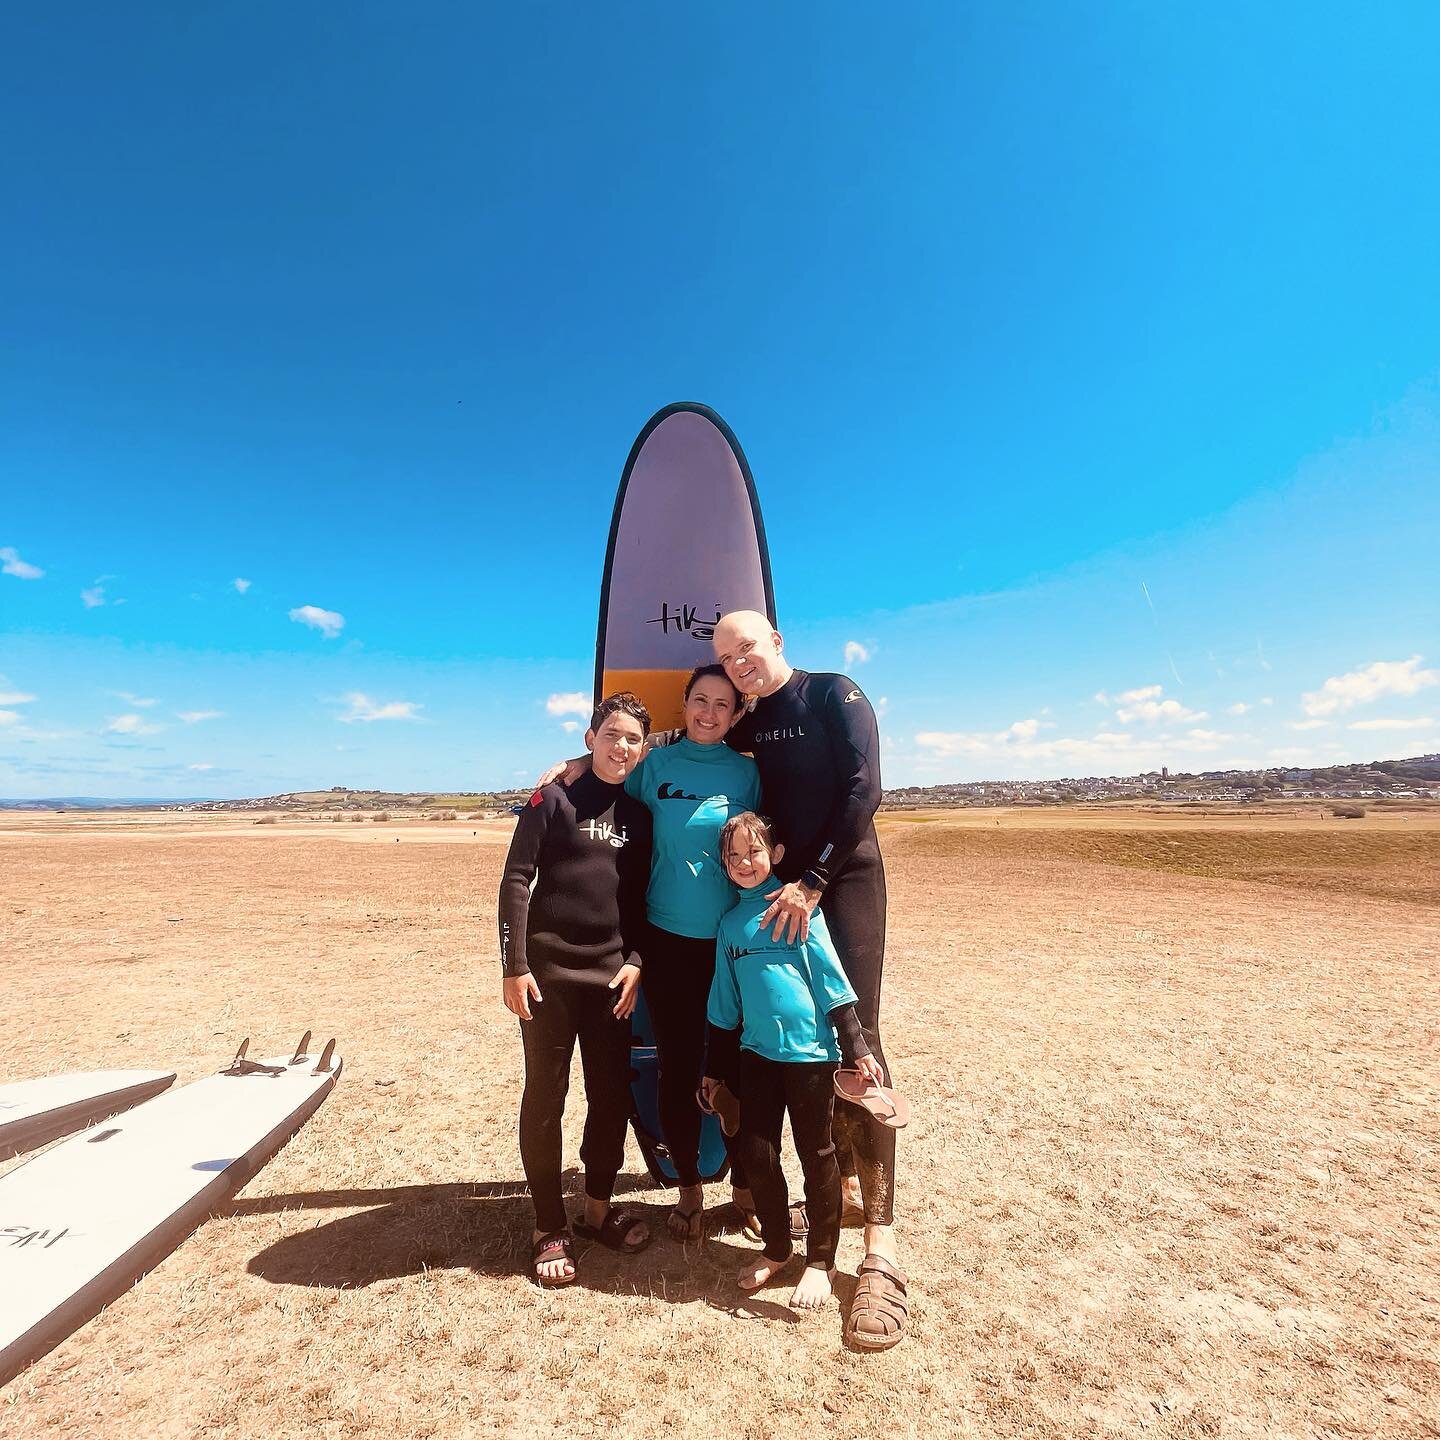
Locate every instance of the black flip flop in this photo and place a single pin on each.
(614, 1231)
(557, 1245)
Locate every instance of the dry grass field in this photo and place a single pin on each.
(1173, 1170)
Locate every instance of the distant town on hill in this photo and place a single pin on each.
(1414, 779)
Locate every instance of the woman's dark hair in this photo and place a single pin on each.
(627, 703)
(718, 671)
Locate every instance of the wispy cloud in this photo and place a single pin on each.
(9, 717)
(93, 597)
(1238, 708)
(194, 717)
(328, 622)
(1360, 687)
(12, 564)
(1422, 722)
(14, 697)
(1020, 741)
(570, 726)
(856, 653)
(203, 765)
(241, 585)
(569, 702)
(140, 702)
(1308, 724)
(362, 707)
(131, 725)
(1129, 697)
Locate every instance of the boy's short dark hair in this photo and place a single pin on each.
(718, 671)
(757, 827)
(627, 703)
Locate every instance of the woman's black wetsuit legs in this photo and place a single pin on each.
(676, 980)
(767, 1089)
(854, 909)
(567, 1013)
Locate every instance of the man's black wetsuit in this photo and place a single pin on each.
(589, 844)
(818, 748)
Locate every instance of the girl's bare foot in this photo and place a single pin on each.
(760, 1272)
(813, 1290)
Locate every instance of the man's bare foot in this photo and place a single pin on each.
(686, 1222)
(813, 1291)
(760, 1272)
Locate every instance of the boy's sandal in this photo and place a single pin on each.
(724, 1105)
(557, 1245)
(878, 1100)
(749, 1223)
(615, 1230)
(880, 1308)
(851, 1217)
(686, 1225)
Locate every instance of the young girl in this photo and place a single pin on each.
(571, 962)
(776, 1008)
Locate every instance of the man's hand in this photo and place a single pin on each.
(869, 1067)
(708, 1086)
(519, 991)
(568, 771)
(790, 908)
(627, 980)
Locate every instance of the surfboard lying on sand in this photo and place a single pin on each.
(35, 1112)
(82, 1222)
(687, 544)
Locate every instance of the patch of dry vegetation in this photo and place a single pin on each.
(1172, 1171)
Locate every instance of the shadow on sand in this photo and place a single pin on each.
(484, 1227)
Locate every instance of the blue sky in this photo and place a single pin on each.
(1077, 351)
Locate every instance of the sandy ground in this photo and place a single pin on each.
(1173, 1169)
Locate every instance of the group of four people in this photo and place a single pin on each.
(652, 866)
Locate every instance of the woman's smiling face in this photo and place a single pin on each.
(709, 710)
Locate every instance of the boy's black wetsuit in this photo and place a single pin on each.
(589, 843)
(818, 748)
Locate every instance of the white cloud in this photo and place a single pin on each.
(241, 585)
(1152, 710)
(856, 653)
(1238, 708)
(12, 564)
(204, 765)
(1267, 701)
(131, 725)
(1129, 697)
(14, 697)
(1308, 724)
(362, 707)
(328, 622)
(1423, 722)
(1360, 687)
(570, 726)
(93, 597)
(9, 717)
(570, 702)
(1019, 741)
(881, 706)
(194, 717)
(138, 701)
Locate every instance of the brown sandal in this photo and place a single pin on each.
(880, 1308)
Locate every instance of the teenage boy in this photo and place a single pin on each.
(572, 968)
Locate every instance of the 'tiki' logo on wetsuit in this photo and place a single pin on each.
(604, 830)
(790, 732)
(686, 620)
(668, 792)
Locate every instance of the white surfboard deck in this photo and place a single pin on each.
(35, 1112)
(82, 1222)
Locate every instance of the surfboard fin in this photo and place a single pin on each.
(302, 1049)
(323, 1066)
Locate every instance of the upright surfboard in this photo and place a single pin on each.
(35, 1112)
(687, 545)
(82, 1222)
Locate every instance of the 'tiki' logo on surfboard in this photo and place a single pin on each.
(604, 830)
(686, 619)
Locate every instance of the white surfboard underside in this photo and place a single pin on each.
(81, 1223)
(35, 1112)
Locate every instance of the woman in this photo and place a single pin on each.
(691, 788)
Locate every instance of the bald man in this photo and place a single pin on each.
(816, 742)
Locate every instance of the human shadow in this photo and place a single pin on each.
(484, 1227)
